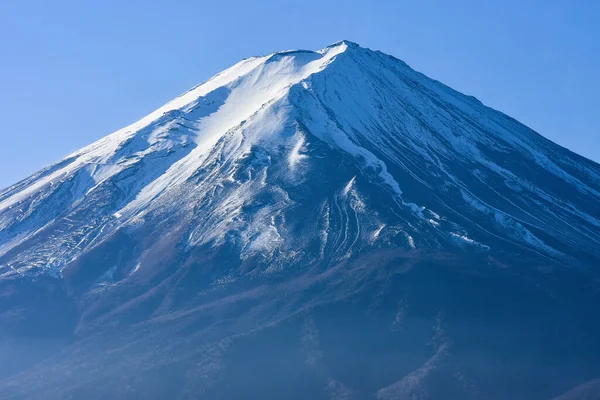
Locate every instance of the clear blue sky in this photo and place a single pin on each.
(72, 71)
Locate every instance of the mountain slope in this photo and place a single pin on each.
(298, 188)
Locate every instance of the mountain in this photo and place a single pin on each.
(309, 224)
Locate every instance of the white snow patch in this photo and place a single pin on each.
(135, 269)
(411, 241)
(467, 240)
(295, 155)
(377, 232)
(349, 186)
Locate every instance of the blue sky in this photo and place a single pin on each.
(73, 71)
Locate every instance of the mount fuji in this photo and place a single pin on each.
(309, 224)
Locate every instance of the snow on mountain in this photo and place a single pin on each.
(452, 171)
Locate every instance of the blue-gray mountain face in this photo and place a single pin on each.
(323, 225)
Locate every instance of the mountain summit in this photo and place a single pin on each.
(323, 223)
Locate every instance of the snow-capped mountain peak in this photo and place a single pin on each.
(414, 163)
(295, 221)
